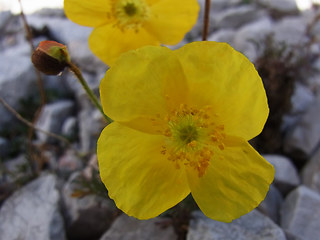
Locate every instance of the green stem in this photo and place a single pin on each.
(91, 95)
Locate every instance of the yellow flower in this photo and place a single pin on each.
(122, 25)
(182, 122)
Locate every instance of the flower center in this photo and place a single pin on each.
(130, 14)
(187, 134)
(183, 130)
(130, 9)
(192, 138)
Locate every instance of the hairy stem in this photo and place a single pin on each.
(91, 95)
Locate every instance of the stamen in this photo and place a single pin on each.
(129, 14)
(192, 144)
(192, 137)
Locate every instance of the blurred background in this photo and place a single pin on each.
(50, 188)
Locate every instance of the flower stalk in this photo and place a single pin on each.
(89, 92)
(206, 20)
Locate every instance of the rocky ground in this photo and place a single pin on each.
(61, 198)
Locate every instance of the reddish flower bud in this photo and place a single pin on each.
(50, 57)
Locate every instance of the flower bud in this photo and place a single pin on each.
(50, 57)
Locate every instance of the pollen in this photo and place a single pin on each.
(129, 14)
(193, 136)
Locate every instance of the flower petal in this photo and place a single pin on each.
(236, 181)
(141, 181)
(109, 41)
(88, 13)
(225, 79)
(141, 85)
(171, 20)
(151, 2)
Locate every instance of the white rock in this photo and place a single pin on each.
(304, 137)
(291, 31)
(62, 28)
(69, 127)
(314, 80)
(286, 175)
(301, 213)
(32, 212)
(52, 117)
(84, 58)
(238, 16)
(251, 226)
(302, 98)
(4, 18)
(223, 4)
(12, 33)
(284, 6)
(128, 228)
(91, 123)
(311, 172)
(249, 35)
(17, 167)
(4, 147)
(17, 80)
(271, 205)
(223, 35)
(89, 216)
(69, 162)
(77, 89)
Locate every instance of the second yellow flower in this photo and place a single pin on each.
(123, 25)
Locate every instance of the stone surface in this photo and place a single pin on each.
(250, 35)
(4, 146)
(52, 118)
(300, 214)
(69, 162)
(12, 32)
(303, 138)
(251, 226)
(91, 168)
(16, 72)
(62, 29)
(223, 4)
(219, 6)
(238, 16)
(314, 80)
(283, 6)
(69, 128)
(91, 124)
(32, 213)
(88, 216)
(76, 88)
(286, 175)
(82, 56)
(302, 97)
(311, 172)
(223, 35)
(17, 168)
(271, 205)
(128, 228)
(291, 236)
(242, 23)
(4, 18)
(290, 31)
